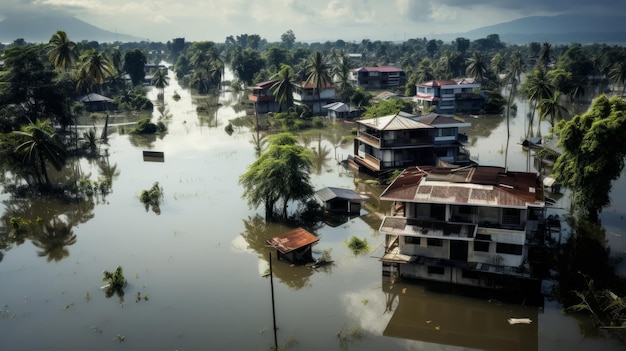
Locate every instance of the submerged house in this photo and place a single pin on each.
(95, 102)
(339, 200)
(383, 144)
(376, 78)
(294, 246)
(262, 98)
(472, 226)
(450, 96)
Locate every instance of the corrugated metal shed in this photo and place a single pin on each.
(292, 240)
(330, 193)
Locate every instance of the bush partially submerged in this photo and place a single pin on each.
(152, 197)
(115, 282)
(358, 246)
(145, 126)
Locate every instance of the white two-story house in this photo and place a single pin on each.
(469, 226)
(307, 94)
(383, 144)
(450, 96)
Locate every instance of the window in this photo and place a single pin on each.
(447, 132)
(483, 237)
(509, 249)
(482, 246)
(435, 270)
(434, 242)
(447, 91)
(466, 210)
(412, 240)
(470, 274)
(511, 216)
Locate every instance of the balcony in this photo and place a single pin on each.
(368, 161)
(428, 228)
(369, 139)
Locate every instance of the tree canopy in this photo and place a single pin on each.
(594, 147)
(281, 173)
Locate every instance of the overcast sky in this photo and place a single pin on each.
(310, 20)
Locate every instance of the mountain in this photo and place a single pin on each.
(35, 29)
(563, 29)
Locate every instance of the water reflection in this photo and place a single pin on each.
(47, 222)
(53, 239)
(436, 318)
(257, 231)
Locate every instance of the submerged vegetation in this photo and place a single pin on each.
(358, 246)
(152, 197)
(116, 282)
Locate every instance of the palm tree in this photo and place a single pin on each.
(617, 74)
(537, 88)
(160, 80)
(514, 69)
(476, 66)
(318, 75)
(96, 66)
(544, 55)
(61, 51)
(425, 71)
(552, 107)
(282, 90)
(497, 64)
(341, 75)
(40, 145)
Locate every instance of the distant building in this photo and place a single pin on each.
(377, 78)
(303, 94)
(262, 98)
(306, 94)
(450, 96)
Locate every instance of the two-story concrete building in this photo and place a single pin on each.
(262, 98)
(303, 94)
(306, 94)
(377, 78)
(470, 225)
(383, 144)
(450, 96)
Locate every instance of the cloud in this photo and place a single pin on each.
(318, 20)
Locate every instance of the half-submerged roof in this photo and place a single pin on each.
(93, 97)
(473, 185)
(293, 240)
(399, 121)
(330, 193)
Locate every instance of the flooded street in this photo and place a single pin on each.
(195, 271)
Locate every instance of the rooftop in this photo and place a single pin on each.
(472, 185)
(292, 240)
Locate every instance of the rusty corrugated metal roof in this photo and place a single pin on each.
(292, 240)
(479, 185)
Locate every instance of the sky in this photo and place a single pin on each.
(310, 20)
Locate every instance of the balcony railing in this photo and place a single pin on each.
(369, 139)
(427, 228)
(368, 161)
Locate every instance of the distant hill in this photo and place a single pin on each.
(563, 29)
(39, 30)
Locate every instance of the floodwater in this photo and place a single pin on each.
(196, 269)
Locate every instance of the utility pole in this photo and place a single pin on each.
(273, 304)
